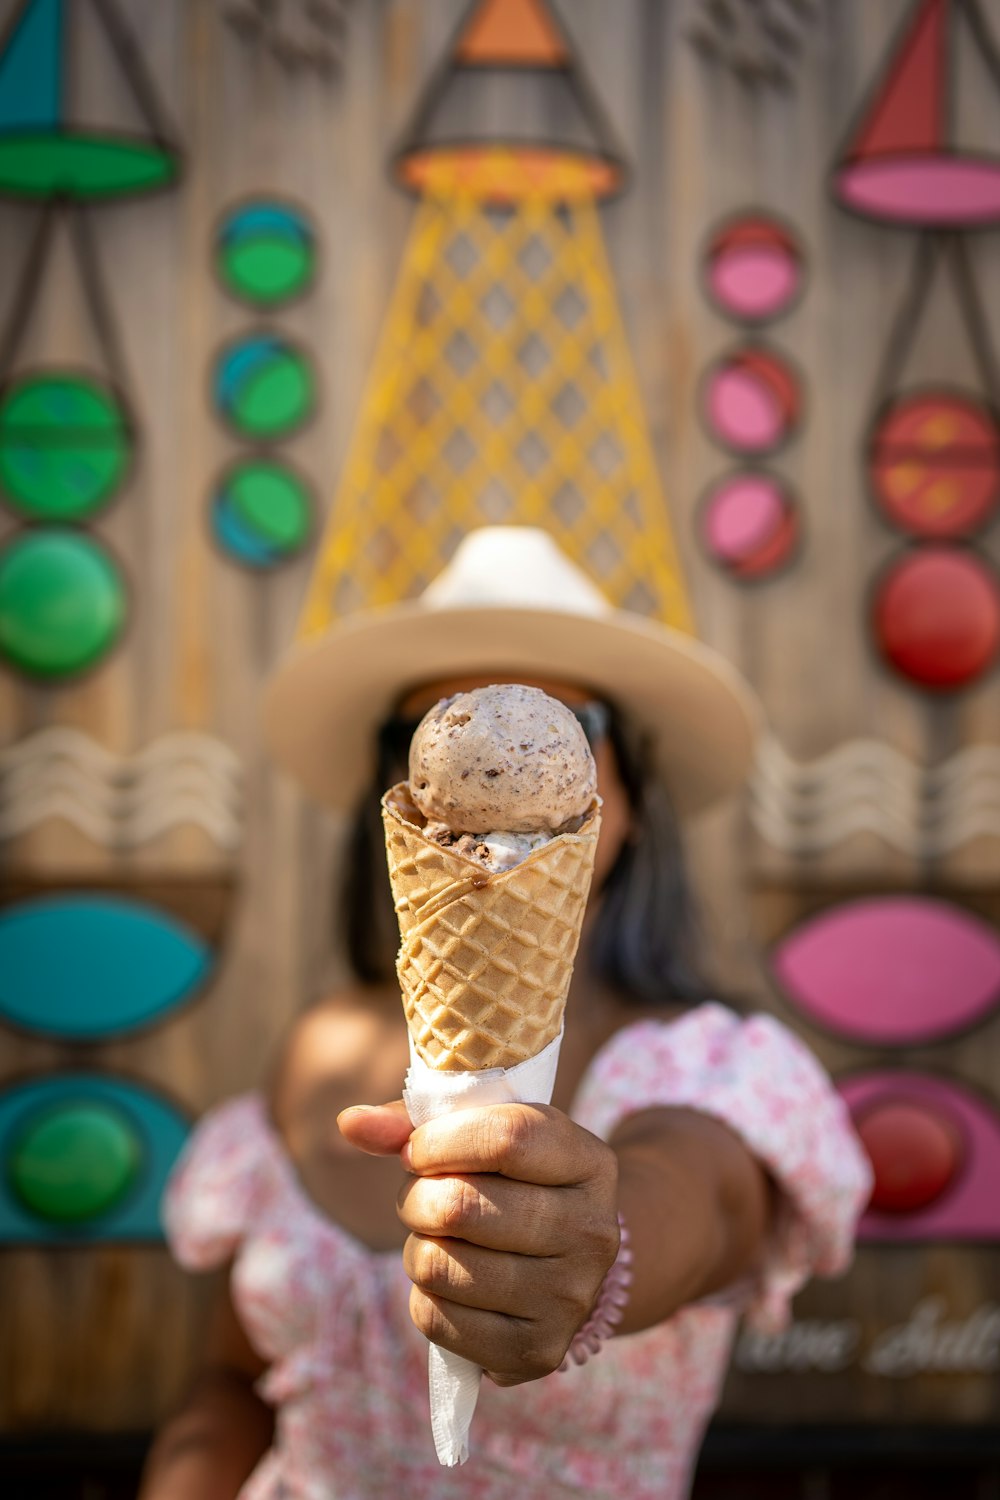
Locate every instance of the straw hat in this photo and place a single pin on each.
(510, 601)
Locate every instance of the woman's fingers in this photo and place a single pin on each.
(512, 1217)
(512, 1350)
(381, 1130)
(527, 1142)
(519, 1218)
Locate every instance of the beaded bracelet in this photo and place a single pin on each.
(608, 1310)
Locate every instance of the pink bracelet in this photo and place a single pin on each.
(608, 1310)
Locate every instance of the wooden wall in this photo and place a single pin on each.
(101, 1338)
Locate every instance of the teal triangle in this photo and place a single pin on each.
(31, 68)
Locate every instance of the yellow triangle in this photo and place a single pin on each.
(511, 33)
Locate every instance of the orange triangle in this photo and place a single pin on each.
(511, 33)
(909, 113)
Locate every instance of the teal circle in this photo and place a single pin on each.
(62, 603)
(73, 1161)
(264, 386)
(64, 446)
(265, 252)
(262, 512)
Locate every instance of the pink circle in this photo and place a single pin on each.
(753, 281)
(744, 412)
(741, 516)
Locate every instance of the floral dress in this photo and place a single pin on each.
(347, 1371)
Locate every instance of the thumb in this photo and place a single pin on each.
(379, 1129)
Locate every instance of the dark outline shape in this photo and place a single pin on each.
(793, 508)
(733, 221)
(97, 307)
(943, 693)
(262, 455)
(254, 439)
(144, 93)
(254, 200)
(607, 148)
(884, 72)
(750, 456)
(932, 252)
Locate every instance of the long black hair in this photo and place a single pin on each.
(645, 932)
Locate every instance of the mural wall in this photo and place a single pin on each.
(299, 294)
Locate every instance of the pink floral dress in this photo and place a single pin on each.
(348, 1371)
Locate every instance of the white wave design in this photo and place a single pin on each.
(867, 787)
(121, 801)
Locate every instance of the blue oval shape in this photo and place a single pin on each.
(157, 1127)
(85, 966)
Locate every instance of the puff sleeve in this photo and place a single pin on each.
(210, 1197)
(760, 1080)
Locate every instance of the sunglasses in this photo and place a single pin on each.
(396, 732)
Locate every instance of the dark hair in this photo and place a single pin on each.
(645, 931)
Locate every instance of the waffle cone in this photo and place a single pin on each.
(485, 957)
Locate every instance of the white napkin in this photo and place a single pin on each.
(454, 1381)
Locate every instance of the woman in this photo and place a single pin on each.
(717, 1141)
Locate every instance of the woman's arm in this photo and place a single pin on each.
(512, 1213)
(212, 1444)
(697, 1205)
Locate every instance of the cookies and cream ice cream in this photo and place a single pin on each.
(490, 847)
(499, 770)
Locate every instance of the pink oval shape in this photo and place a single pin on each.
(895, 970)
(744, 412)
(755, 282)
(933, 188)
(742, 515)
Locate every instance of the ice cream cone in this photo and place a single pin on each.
(486, 957)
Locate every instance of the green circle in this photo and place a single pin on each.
(266, 251)
(272, 501)
(64, 446)
(85, 167)
(74, 1161)
(62, 603)
(265, 387)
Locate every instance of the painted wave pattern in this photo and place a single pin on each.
(122, 801)
(865, 786)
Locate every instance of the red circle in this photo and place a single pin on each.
(934, 463)
(936, 617)
(915, 1152)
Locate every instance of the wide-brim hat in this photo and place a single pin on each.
(512, 602)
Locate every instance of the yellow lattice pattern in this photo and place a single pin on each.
(502, 392)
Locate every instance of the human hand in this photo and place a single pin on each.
(512, 1213)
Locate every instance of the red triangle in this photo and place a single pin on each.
(511, 33)
(909, 113)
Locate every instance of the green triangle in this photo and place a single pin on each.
(31, 67)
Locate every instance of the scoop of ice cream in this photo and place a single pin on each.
(503, 757)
